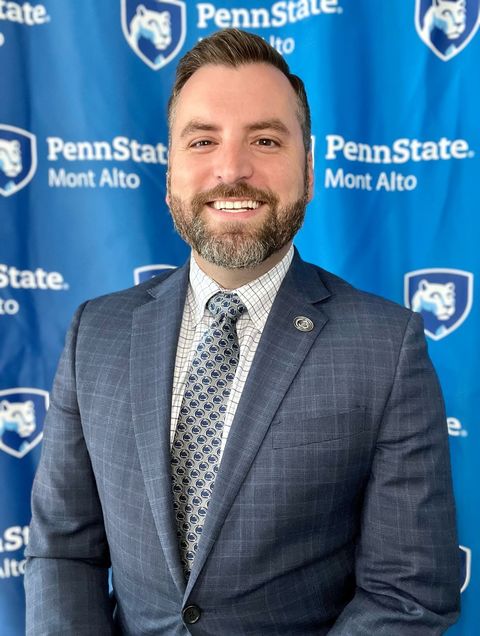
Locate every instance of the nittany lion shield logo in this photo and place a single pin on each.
(443, 297)
(465, 566)
(141, 274)
(22, 413)
(155, 29)
(447, 26)
(18, 159)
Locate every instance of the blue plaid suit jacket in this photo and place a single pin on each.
(332, 510)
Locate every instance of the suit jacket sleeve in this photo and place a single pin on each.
(407, 568)
(66, 578)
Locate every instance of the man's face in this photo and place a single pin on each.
(239, 178)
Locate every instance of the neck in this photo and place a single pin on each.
(235, 278)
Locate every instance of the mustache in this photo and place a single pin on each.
(240, 190)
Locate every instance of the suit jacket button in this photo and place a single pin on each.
(191, 614)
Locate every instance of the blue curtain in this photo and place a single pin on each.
(395, 97)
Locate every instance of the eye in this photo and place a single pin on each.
(201, 143)
(266, 142)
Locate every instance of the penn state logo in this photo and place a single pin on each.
(442, 296)
(142, 274)
(22, 413)
(465, 567)
(447, 26)
(154, 29)
(18, 159)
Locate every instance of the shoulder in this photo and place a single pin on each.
(114, 309)
(369, 312)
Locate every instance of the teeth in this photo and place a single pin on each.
(236, 205)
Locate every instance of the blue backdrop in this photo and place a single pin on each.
(83, 152)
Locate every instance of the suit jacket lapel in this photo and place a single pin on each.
(280, 353)
(155, 330)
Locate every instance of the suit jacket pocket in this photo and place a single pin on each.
(324, 428)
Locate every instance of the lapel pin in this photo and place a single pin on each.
(302, 323)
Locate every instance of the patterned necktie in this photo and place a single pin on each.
(198, 436)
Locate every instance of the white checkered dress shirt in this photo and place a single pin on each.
(258, 297)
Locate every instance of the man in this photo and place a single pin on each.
(251, 444)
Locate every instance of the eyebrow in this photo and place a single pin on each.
(270, 124)
(197, 125)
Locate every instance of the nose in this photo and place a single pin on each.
(233, 163)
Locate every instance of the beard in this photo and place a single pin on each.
(235, 245)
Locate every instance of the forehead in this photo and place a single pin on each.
(241, 94)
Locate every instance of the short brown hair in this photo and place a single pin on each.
(233, 47)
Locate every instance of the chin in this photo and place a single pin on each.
(233, 253)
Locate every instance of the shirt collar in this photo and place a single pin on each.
(257, 295)
(201, 289)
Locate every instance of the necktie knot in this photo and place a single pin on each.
(226, 306)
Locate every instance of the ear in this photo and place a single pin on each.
(310, 178)
(423, 284)
(167, 182)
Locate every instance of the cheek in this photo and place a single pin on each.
(189, 178)
(290, 184)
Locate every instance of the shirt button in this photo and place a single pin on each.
(191, 614)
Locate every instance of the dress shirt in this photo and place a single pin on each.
(258, 297)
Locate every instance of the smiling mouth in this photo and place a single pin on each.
(235, 206)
